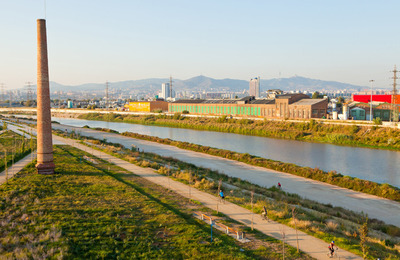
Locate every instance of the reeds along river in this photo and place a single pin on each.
(382, 166)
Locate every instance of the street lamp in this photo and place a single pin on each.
(370, 102)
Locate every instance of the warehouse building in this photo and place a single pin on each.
(147, 106)
(293, 106)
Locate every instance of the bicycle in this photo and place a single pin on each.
(333, 254)
(265, 216)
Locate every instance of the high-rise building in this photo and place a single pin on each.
(254, 87)
(165, 92)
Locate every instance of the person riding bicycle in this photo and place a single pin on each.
(265, 212)
(331, 248)
(221, 194)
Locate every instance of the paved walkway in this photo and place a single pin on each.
(308, 244)
(16, 167)
(375, 207)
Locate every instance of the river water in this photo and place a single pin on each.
(381, 166)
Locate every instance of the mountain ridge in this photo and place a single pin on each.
(203, 83)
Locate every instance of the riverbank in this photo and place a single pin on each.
(309, 131)
(322, 221)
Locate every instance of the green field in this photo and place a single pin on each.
(86, 211)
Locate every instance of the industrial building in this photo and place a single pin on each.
(383, 106)
(291, 106)
(147, 106)
(376, 98)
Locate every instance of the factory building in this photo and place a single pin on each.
(147, 106)
(376, 98)
(291, 106)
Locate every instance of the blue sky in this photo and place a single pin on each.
(98, 40)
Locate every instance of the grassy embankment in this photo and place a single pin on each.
(14, 147)
(313, 131)
(90, 210)
(323, 221)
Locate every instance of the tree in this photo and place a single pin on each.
(315, 94)
(340, 99)
(363, 238)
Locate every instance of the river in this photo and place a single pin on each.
(382, 166)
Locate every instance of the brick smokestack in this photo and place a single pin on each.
(45, 164)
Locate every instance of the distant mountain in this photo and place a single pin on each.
(301, 83)
(203, 83)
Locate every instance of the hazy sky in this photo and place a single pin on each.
(115, 40)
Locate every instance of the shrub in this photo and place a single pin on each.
(185, 112)
(377, 121)
(177, 116)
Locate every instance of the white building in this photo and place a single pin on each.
(165, 91)
(254, 87)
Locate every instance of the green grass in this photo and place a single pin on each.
(316, 216)
(85, 211)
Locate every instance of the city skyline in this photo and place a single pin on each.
(96, 41)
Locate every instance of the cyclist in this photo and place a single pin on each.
(331, 248)
(265, 213)
(221, 194)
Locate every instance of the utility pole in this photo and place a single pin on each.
(107, 95)
(28, 91)
(370, 102)
(59, 99)
(395, 112)
(2, 92)
(170, 86)
(10, 98)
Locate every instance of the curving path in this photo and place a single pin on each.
(375, 207)
(308, 244)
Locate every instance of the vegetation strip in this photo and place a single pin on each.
(381, 190)
(310, 131)
(322, 221)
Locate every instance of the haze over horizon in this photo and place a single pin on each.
(95, 41)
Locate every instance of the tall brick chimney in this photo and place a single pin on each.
(45, 164)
